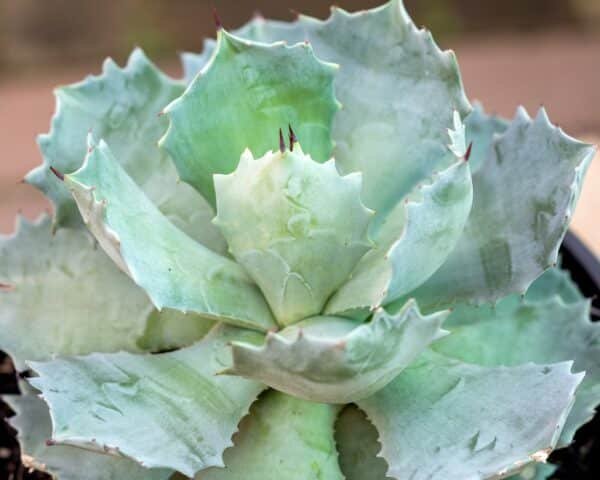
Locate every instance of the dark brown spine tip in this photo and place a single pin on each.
(217, 19)
(293, 138)
(468, 152)
(59, 175)
(281, 141)
(5, 286)
(50, 442)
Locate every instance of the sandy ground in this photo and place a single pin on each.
(560, 71)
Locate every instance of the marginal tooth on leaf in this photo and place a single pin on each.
(293, 138)
(281, 141)
(217, 19)
(58, 174)
(468, 152)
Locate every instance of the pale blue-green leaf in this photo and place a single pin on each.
(523, 198)
(193, 63)
(358, 445)
(283, 437)
(444, 419)
(33, 425)
(433, 219)
(554, 281)
(534, 329)
(244, 95)
(538, 471)
(176, 271)
(64, 296)
(121, 105)
(171, 329)
(296, 225)
(336, 360)
(481, 130)
(165, 411)
(388, 66)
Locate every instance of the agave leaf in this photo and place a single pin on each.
(52, 304)
(121, 106)
(287, 220)
(443, 418)
(358, 444)
(538, 471)
(257, 29)
(336, 360)
(165, 411)
(175, 271)
(388, 68)
(33, 425)
(246, 93)
(481, 130)
(282, 437)
(433, 221)
(193, 63)
(554, 282)
(540, 330)
(171, 329)
(523, 197)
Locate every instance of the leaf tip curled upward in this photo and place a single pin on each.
(281, 141)
(468, 152)
(293, 138)
(58, 174)
(217, 19)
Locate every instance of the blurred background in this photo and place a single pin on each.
(530, 52)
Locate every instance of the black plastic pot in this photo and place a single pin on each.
(580, 461)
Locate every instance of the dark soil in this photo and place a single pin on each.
(580, 461)
(11, 467)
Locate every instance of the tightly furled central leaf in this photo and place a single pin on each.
(296, 226)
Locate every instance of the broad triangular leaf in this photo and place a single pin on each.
(523, 198)
(336, 360)
(176, 271)
(121, 106)
(541, 330)
(246, 93)
(282, 437)
(443, 419)
(64, 296)
(34, 428)
(165, 411)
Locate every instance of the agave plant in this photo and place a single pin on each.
(355, 277)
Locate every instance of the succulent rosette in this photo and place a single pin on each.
(312, 259)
